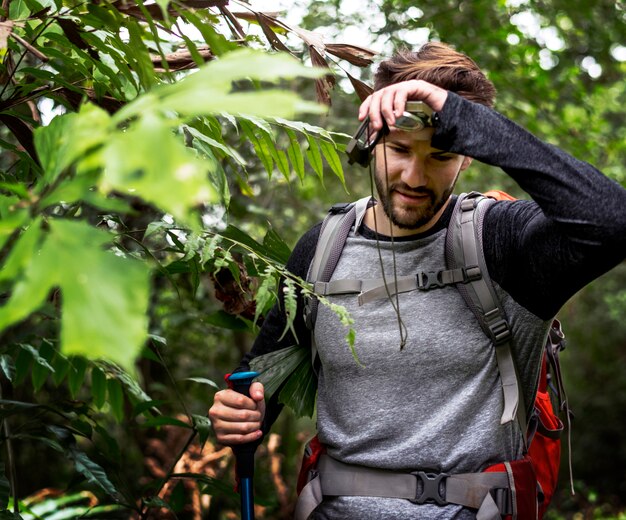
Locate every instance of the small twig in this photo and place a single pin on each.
(10, 458)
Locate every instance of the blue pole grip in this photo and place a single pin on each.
(244, 454)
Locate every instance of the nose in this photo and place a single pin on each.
(413, 173)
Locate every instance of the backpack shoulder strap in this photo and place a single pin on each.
(464, 248)
(332, 238)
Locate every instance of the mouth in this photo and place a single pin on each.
(412, 198)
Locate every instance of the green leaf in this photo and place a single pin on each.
(282, 162)
(262, 143)
(276, 247)
(98, 387)
(294, 152)
(275, 367)
(202, 424)
(332, 158)
(76, 375)
(224, 320)
(93, 472)
(104, 296)
(148, 161)
(23, 250)
(116, 399)
(7, 366)
(130, 385)
(314, 155)
(299, 393)
(203, 381)
(265, 295)
(69, 137)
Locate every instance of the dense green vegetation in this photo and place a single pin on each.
(159, 160)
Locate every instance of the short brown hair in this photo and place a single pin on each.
(440, 65)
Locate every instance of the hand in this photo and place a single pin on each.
(236, 419)
(389, 102)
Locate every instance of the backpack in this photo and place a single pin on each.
(534, 483)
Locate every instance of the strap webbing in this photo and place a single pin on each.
(487, 492)
(464, 245)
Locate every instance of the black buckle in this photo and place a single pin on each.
(426, 281)
(433, 488)
(340, 207)
(501, 332)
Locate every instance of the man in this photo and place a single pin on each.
(435, 405)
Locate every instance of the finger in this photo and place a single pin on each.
(257, 391)
(376, 122)
(220, 413)
(222, 428)
(236, 439)
(388, 104)
(364, 108)
(234, 399)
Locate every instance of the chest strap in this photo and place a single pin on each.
(489, 493)
(375, 288)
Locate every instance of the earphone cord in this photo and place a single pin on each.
(395, 305)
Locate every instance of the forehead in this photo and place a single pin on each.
(405, 138)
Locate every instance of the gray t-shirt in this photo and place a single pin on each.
(437, 403)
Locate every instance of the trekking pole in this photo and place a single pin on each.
(244, 453)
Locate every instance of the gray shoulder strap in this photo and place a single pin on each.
(464, 249)
(333, 235)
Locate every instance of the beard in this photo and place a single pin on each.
(408, 217)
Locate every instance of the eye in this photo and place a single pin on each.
(442, 158)
(396, 148)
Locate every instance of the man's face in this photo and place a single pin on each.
(419, 179)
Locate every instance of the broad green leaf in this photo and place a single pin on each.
(276, 246)
(130, 385)
(23, 250)
(98, 387)
(39, 359)
(104, 296)
(76, 375)
(150, 162)
(82, 188)
(116, 399)
(68, 137)
(93, 472)
(61, 367)
(12, 217)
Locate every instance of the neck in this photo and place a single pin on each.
(377, 220)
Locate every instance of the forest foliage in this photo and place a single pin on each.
(159, 159)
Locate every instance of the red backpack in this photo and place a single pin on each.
(534, 478)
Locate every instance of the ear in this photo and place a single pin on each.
(466, 162)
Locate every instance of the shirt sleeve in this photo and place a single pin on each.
(541, 251)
